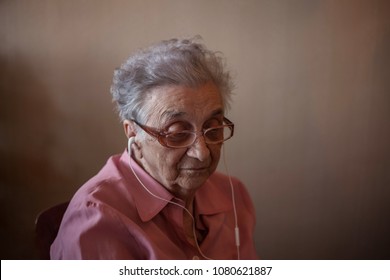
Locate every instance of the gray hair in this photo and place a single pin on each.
(173, 62)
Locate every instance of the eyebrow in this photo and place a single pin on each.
(172, 114)
(217, 112)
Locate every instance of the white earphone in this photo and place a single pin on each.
(236, 229)
(129, 143)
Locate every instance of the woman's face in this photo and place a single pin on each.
(174, 108)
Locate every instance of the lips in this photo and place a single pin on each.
(194, 168)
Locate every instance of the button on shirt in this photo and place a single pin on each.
(112, 216)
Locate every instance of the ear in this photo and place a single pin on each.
(130, 131)
(129, 128)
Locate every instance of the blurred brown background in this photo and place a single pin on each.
(312, 110)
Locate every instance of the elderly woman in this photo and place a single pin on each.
(162, 198)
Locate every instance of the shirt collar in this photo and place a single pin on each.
(214, 196)
(147, 205)
(209, 199)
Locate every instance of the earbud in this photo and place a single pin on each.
(129, 143)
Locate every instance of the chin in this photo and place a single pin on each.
(193, 183)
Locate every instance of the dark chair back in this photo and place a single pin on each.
(47, 224)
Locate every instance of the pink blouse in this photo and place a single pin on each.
(113, 217)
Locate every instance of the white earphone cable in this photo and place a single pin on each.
(236, 229)
(168, 201)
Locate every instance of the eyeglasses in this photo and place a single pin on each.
(185, 138)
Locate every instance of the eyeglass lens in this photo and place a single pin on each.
(187, 138)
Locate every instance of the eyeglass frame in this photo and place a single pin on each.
(161, 134)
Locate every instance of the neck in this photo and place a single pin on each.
(188, 225)
(189, 204)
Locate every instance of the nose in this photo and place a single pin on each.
(199, 149)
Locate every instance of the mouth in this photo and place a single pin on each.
(195, 168)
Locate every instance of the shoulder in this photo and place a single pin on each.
(242, 197)
(221, 183)
(108, 189)
(221, 180)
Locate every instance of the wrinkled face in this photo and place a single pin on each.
(175, 108)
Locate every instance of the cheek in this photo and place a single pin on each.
(168, 164)
(215, 155)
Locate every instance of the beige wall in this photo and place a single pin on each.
(312, 110)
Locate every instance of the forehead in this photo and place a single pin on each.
(180, 102)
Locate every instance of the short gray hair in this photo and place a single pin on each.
(172, 62)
